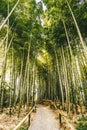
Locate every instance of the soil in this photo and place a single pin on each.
(7, 122)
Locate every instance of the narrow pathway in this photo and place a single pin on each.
(44, 120)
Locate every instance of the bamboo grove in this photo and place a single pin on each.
(43, 48)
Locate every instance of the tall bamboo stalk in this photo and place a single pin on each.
(61, 87)
(66, 82)
(4, 65)
(78, 30)
(21, 83)
(9, 14)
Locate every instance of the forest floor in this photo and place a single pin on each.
(9, 123)
(44, 119)
(72, 121)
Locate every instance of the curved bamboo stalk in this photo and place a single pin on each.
(3, 41)
(6, 33)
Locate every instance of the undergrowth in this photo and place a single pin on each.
(81, 127)
(82, 124)
(24, 127)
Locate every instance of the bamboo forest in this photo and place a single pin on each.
(43, 64)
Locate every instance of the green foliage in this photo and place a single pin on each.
(3, 7)
(82, 123)
(23, 127)
(81, 126)
(82, 18)
(82, 119)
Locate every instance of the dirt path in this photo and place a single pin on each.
(44, 120)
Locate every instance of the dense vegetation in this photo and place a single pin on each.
(43, 48)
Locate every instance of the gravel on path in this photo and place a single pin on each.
(44, 120)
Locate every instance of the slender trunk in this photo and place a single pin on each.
(21, 85)
(66, 82)
(28, 68)
(71, 53)
(4, 67)
(61, 87)
(78, 31)
(9, 15)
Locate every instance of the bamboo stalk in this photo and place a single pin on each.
(78, 30)
(61, 87)
(9, 14)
